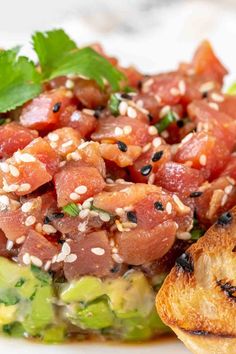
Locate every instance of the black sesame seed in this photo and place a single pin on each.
(126, 96)
(180, 123)
(150, 117)
(205, 94)
(158, 206)
(132, 217)
(225, 219)
(98, 110)
(115, 269)
(157, 156)
(185, 263)
(122, 146)
(56, 107)
(46, 220)
(145, 170)
(195, 194)
(53, 216)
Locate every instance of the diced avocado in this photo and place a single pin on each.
(97, 315)
(14, 329)
(55, 334)
(83, 290)
(130, 296)
(7, 314)
(41, 311)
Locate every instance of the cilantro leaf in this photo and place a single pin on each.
(71, 209)
(58, 56)
(113, 104)
(19, 80)
(165, 122)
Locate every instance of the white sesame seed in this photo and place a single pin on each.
(93, 213)
(67, 144)
(82, 226)
(164, 111)
(151, 178)
(14, 171)
(11, 188)
(75, 117)
(109, 181)
(207, 86)
(216, 97)
(26, 207)
(224, 199)
(104, 217)
(20, 240)
(213, 105)
(123, 106)
(24, 187)
(4, 167)
(47, 265)
(156, 142)
(49, 229)
(203, 160)
(90, 112)
(114, 249)
(81, 189)
(39, 227)
(69, 84)
(66, 249)
(71, 258)
(187, 138)
(9, 245)
(146, 147)
(184, 235)
(84, 144)
(117, 258)
(27, 157)
(127, 129)
(53, 137)
(98, 251)
(118, 131)
(4, 201)
(30, 220)
(152, 130)
(75, 156)
(84, 213)
(54, 258)
(131, 113)
(74, 196)
(26, 259)
(182, 87)
(119, 211)
(36, 261)
(87, 203)
(119, 226)
(174, 91)
(228, 189)
(168, 208)
(60, 258)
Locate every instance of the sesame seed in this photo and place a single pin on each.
(119, 211)
(84, 213)
(36, 261)
(75, 156)
(11, 188)
(224, 199)
(26, 259)
(47, 265)
(145, 170)
(213, 105)
(98, 251)
(56, 107)
(104, 217)
(228, 189)
(87, 203)
(49, 229)
(182, 87)
(131, 113)
(20, 240)
(53, 137)
(26, 207)
(60, 258)
(74, 196)
(27, 157)
(66, 249)
(151, 178)
(164, 111)
(187, 138)
(75, 117)
(127, 129)
(195, 194)
(158, 206)
(126, 96)
(174, 91)
(122, 146)
(117, 258)
(169, 208)
(216, 97)
(14, 171)
(156, 142)
(67, 144)
(146, 147)
(9, 245)
(207, 86)
(4, 167)
(54, 258)
(81, 189)
(90, 112)
(132, 216)
(123, 106)
(119, 226)
(184, 235)
(69, 84)
(152, 130)
(30, 220)
(118, 131)
(4, 202)
(71, 258)
(157, 156)
(24, 187)
(82, 226)
(203, 160)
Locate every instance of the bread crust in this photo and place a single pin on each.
(198, 297)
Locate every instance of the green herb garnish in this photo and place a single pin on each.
(165, 122)
(14, 329)
(21, 80)
(9, 297)
(71, 209)
(196, 231)
(20, 282)
(113, 104)
(41, 275)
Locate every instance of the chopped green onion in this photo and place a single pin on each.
(165, 122)
(71, 209)
(232, 89)
(9, 297)
(20, 282)
(41, 275)
(113, 104)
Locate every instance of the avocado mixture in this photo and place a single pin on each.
(33, 305)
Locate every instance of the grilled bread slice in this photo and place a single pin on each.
(198, 298)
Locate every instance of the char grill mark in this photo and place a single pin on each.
(228, 289)
(225, 219)
(185, 263)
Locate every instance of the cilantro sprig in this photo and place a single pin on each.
(21, 80)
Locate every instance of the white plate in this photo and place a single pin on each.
(24, 347)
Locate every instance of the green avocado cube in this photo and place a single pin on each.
(55, 334)
(97, 315)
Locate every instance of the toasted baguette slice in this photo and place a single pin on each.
(198, 298)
